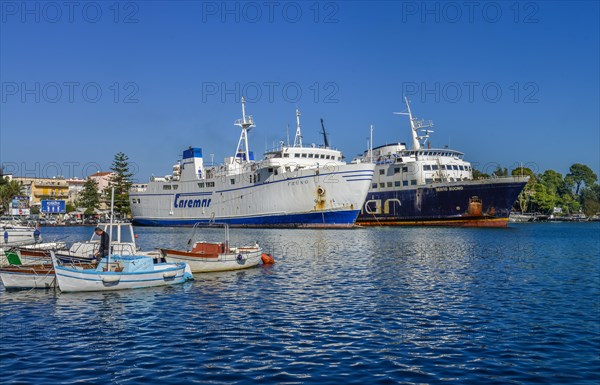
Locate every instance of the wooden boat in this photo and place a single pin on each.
(27, 276)
(38, 253)
(205, 257)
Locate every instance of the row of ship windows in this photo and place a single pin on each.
(316, 156)
(430, 167)
(413, 182)
(175, 187)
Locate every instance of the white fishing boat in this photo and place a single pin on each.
(119, 272)
(14, 234)
(293, 186)
(204, 257)
(122, 242)
(27, 276)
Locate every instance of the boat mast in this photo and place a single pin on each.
(246, 123)
(325, 140)
(298, 137)
(371, 146)
(112, 209)
(415, 126)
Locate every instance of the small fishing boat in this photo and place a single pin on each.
(118, 272)
(27, 276)
(204, 257)
(122, 242)
(38, 253)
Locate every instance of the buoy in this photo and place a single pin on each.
(267, 259)
(136, 236)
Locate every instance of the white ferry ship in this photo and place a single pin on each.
(293, 186)
(433, 186)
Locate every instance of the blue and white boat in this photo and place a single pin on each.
(293, 186)
(120, 272)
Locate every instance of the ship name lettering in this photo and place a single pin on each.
(297, 182)
(456, 188)
(190, 203)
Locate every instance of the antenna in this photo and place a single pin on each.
(415, 126)
(326, 142)
(246, 123)
(287, 133)
(371, 145)
(298, 137)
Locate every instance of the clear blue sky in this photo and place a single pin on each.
(504, 82)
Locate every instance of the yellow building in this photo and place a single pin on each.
(44, 188)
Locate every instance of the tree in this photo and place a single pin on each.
(121, 181)
(90, 196)
(8, 191)
(479, 175)
(499, 172)
(579, 175)
(591, 199)
(525, 197)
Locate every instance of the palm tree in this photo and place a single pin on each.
(8, 191)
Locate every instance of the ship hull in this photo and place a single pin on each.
(474, 203)
(329, 197)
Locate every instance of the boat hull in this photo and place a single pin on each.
(200, 263)
(474, 203)
(327, 197)
(72, 280)
(28, 277)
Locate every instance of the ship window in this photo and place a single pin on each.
(428, 180)
(426, 167)
(405, 169)
(286, 155)
(210, 184)
(232, 181)
(461, 167)
(175, 186)
(296, 155)
(304, 155)
(381, 172)
(275, 172)
(413, 182)
(270, 170)
(328, 157)
(389, 184)
(310, 155)
(322, 156)
(454, 167)
(397, 183)
(382, 185)
(201, 185)
(434, 167)
(396, 170)
(166, 187)
(287, 169)
(404, 183)
(374, 185)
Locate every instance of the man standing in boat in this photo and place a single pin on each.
(104, 241)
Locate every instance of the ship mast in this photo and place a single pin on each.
(415, 126)
(325, 140)
(298, 137)
(246, 123)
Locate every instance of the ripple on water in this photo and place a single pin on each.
(377, 306)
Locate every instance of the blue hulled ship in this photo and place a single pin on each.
(429, 186)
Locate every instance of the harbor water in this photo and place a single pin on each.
(365, 306)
